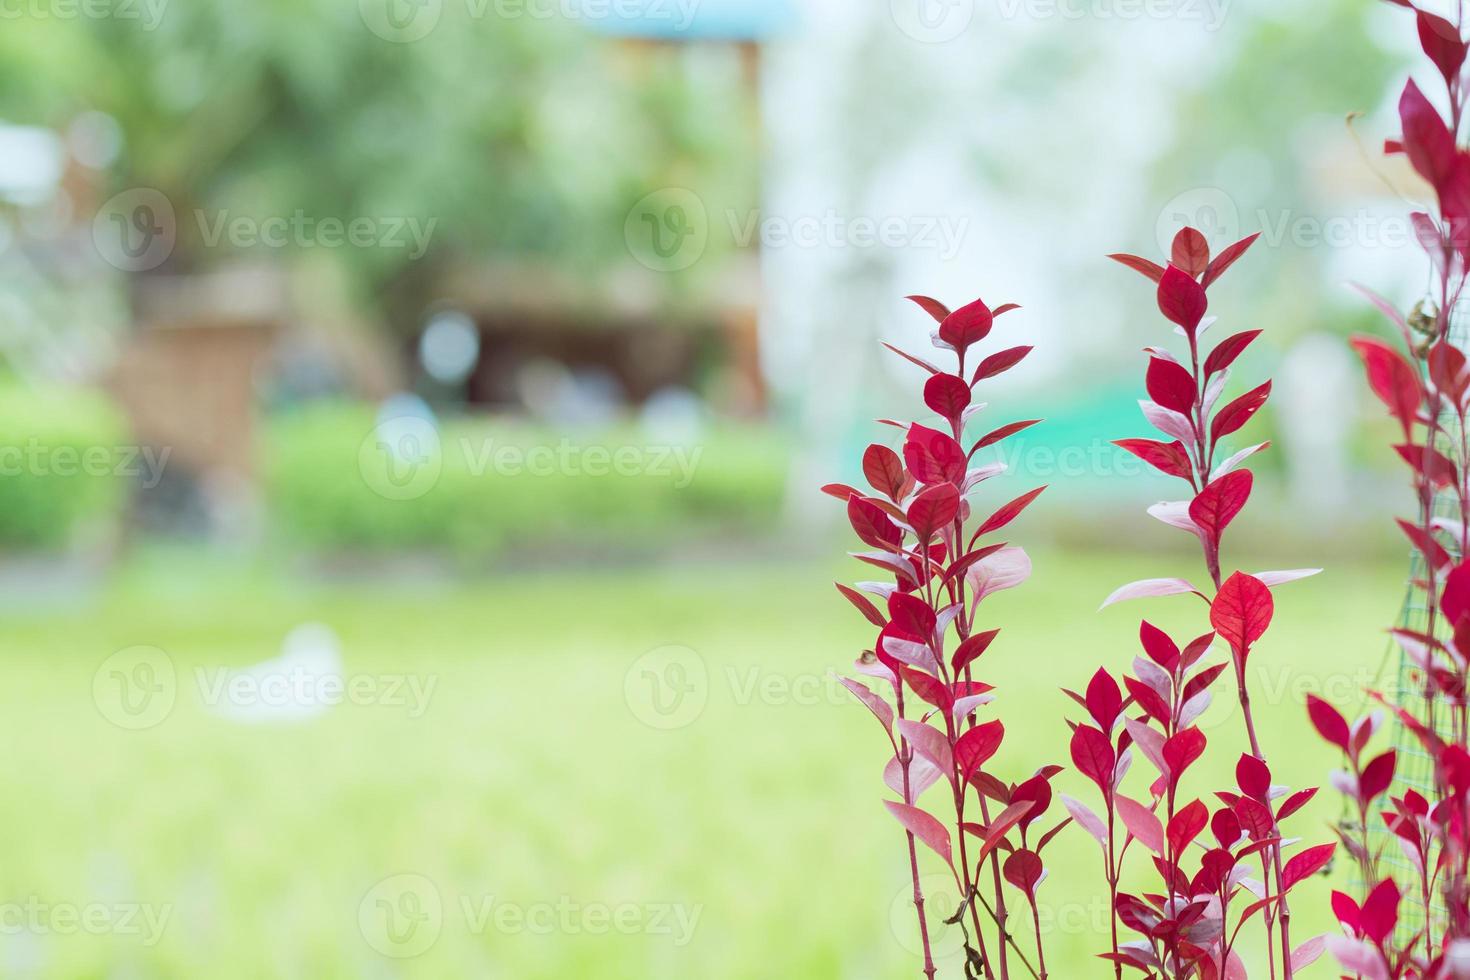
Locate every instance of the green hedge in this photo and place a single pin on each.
(502, 484)
(65, 466)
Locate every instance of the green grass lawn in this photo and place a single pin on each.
(640, 774)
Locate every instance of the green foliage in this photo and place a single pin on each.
(506, 485)
(61, 456)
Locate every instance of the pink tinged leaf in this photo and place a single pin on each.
(1329, 723)
(1024, 870)
(924, 827)
(1441, 41)
(1384, 307)
(966, 325)
(999, 363)
(1006, 569)
(863, 604)
(912, 359)
(1357, 957)
(1171, 385)
(1169, 422)
(931, 306)
(1151, 587)
(1235, 460)
(1152, 270)
(875, 668)
(1227, 258)
(934, 509)
(947, 395)
(922, 775)
(1228, 350)
(1273, 579)
(884, 470)
(1008, 512)
(929, 742)
(1235, 415)
(1219, 503)
(908, 652)
(1181, 299)
(1142, 824)
(879, 707)
(1242, 611)
(1190, 252)
(1175, 513)
(980, 474)
(933, 457)
(974, 748)
(1086, 819)
(1168, 458)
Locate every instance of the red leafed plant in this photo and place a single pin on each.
(942, 558)
(1426, 387)
(1204, 860)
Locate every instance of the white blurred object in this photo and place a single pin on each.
(31, 163)
(558, 396)
(303, 682)
(673, 415)
(1315, 383)
(449, 348)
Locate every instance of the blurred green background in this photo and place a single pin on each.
(411, 415)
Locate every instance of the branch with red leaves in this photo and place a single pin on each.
(1185, 930)
(1426, 387)
(921, 531)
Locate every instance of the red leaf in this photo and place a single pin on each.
(1454, 601)
(966, 325)
(1441, 41)
(884, 470)
(872, 525)
(1156, 643)
(1426, 544)
(1190, 251)
(924, 827)
(1239, 412)
(995, 834)
(933, 457)
(931, 689)
(970, 650)
(1427, 141)
(864, 605)
(1377, 776)
(1228, 350)
(841, 491)
(1181, 299)
(1182, 750)
(947, 395)
(976, 746)
(1171, 385)
(1166, 457)
(1432, 464)
(1242, 611)
(1104, 700)
(912, 359)
(1092, 754)
(1392, 379)
(1253, 777)
(1329, 722)
(931, 306)
(1380, 912)
(1005, 431)
(999, 363)
(1186, 826)
(1151, 269)
(933, 509)
(1024, 870)
(1009, 512)
(1219, 503)
(1227, 258)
